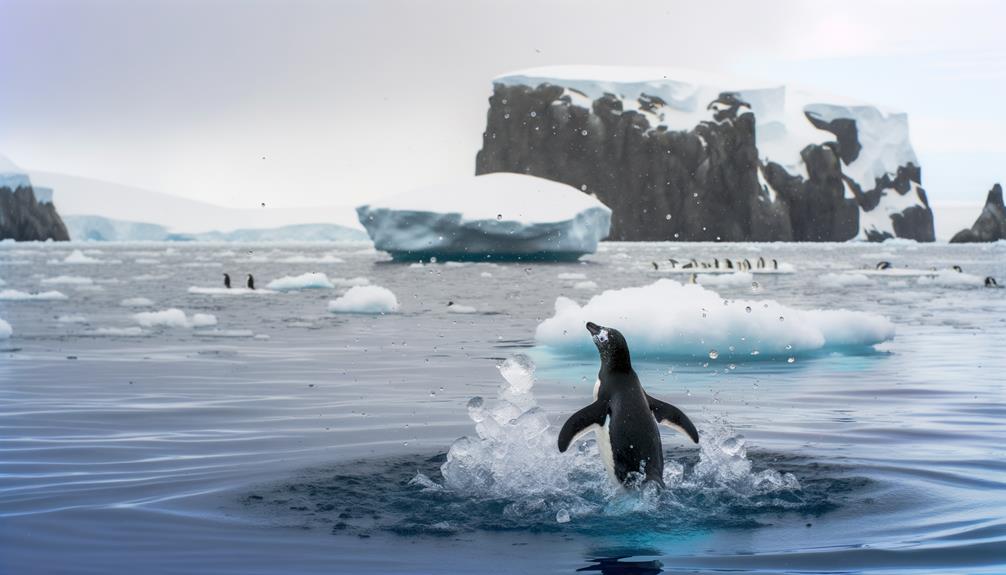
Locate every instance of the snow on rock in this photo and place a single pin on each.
(834, 280)
(67, 280)
(136, 302)
(15, 295)
(173, 317)
(669, 319)
(498, 216)
(5, 329)
(365, 299)
(310, 280)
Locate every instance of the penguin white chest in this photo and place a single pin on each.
(604, 440)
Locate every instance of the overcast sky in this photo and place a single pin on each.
(321, 103)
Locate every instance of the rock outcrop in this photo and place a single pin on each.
(991, 223)
(27, 212)
(677, 157)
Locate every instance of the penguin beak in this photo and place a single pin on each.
(593, 328)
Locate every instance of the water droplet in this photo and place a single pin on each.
(732, 367)
(534, 114)
(747, 309)
(756, 352)
(433, 393)
(667, 217)
(506, 116)
(788, 347)
(791, 360)
(499, 217)
(782, 318)
(583, 132)
(755, 286)
(562, 516)
(713, 354)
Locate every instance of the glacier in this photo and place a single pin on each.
(500, 216)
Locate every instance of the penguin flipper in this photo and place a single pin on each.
(667, 414)
(581, 422)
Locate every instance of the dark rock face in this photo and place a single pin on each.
(703, 184)
(990, 225)
(24, 218)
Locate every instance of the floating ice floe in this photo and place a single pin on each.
(73, 318)
(669, 319)
(458, 308)
(481, 275)
(365, 299)
(587, 285)
(951, 278)
(198, 290)
(67, 280)
(843, 280)
(497, 216)
(16, 295)
(5, 329)
(350, 282)
(730, 279)
(117, 331)
(310, 280)
(226, 333)
(174, 317)
(322, 259)
(79, 257)
(571, 276)
(136, 302)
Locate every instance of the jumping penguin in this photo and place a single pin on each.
(623, 417)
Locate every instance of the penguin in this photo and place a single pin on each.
(775, 264)
(251, 281)
(761, 262)
(730, 264)
(883, 265)
(747, 264)
(693, 279)
(674, 263)
(991, 282)
(227, 281)
(623, 416)
(655, 266)
(958, 269)
(687, 266)
(716, 263)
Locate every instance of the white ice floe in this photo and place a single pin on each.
(350, 282)
(5, 329)
(117, 331)
(198, 290)
(365, 299)
(481, 275)
(571, 276)
(174, 317)
(322, 259)
(136, 302)
(79, 257)
(458, 308)
(670, 319)
(67, 280)
(226, 333)
(498, 216)
(151, 277)
(147, 261)
(587, 285)
(951, 278)
(731, 279)
(843, 279)
(73, 318)
(310, 280)
(2, 283)
(16, 295)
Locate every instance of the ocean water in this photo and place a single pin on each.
(288, 439)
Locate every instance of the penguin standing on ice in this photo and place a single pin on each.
(227, 281)
(883, 265)
(623, 416)
(958, 269)
(990, 282)
(251, 281)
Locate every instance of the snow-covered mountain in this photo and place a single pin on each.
(26, 211)
(682, 155)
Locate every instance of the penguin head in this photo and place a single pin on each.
(611, 346)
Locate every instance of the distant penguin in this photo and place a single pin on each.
(623, 416)
(251, 281)
(716, 263)
(674, 263)
(695, 262)
(227, 281)
(747, 264)
(655, 266)
(991, 282)
(775, 264)
(450, 303)
(761, 262)
(730, 264)
(687, 266)
(693, 279)
(883, 265)
(958, 269)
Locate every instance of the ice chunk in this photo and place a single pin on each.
(951, 278)
(365, 299)
(117, 331)
(173, 317)
(727, 279)
(5, 329)
(350, 282)
(15, 295)
(494, 216)
(67, 280)
(136, 302)
(310, 280)
(843, 280)
(587, 285)
(669, 319)
(571, 276)
(198, 290)
(73, 318)
(458, 308)
(79, 257)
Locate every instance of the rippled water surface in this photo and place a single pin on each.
(287, 439)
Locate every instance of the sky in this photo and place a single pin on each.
(308, 103)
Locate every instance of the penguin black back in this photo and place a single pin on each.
(251, 281)
(227, 281)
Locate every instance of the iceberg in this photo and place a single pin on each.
(309, 280)
(5, 329)
(365, 299)
(670, 319)
(500, 216)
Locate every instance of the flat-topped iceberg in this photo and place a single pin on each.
(498, 216)
(669, 319)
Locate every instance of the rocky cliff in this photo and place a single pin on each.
(678, 156)
(991, 223)
(25, 216)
